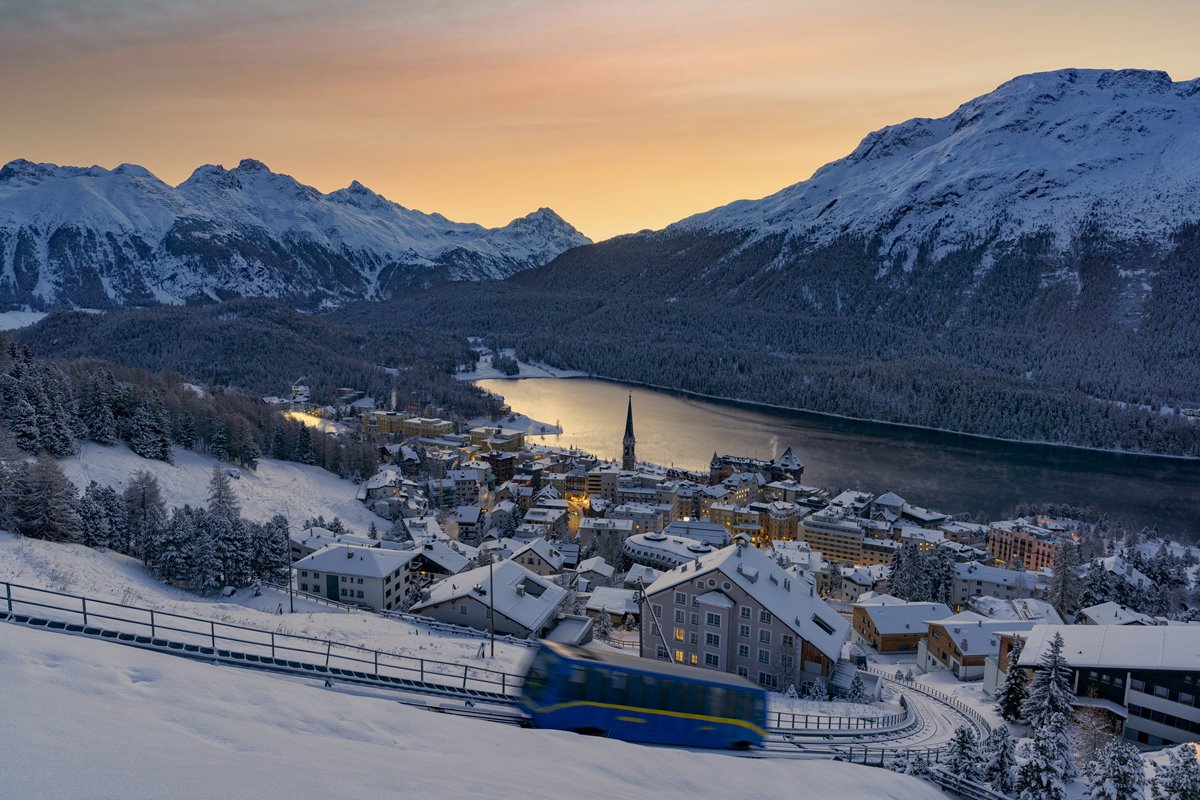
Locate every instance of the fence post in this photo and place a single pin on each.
(272, 645)
(152, 634)
(465, 668)
(8, 591)
(376, 663)
(328, 647)
(422, 670)
(83, 600)
(503, 683)
(212, 629)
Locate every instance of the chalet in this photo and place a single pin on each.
(1111, 613)
(522, 603)
(617, 603)
(962, 643)
(540, 556)
(310, 540)
(735, 610)
(372, 577)
(596, 571)
(892, 625)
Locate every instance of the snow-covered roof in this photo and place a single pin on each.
(1112, 613)
(701, 530)
(544, 550)
(974, 571)
(716, 599)
(613, 600)
(890, 499)
(647, 575)
(974, 634)
(794, 602)
(363, 562)
(596, 564)
(1173, 647)
(523, 596)
(1131, 574)
(451, 557)
(902, 617)
(1021, 608)
(605, 524)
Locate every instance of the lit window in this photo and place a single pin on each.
(694, 659)
(678, 656)
(679, 634)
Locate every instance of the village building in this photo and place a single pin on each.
(735, 610)
(892, 625)
(962, 643)
(540, 556)
(521, 603)
(373, 577)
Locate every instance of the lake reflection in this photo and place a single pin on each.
(945, 471)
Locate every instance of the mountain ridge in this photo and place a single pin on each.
(94, 237)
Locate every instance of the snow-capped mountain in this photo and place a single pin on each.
(89, 236)
(1048, 152)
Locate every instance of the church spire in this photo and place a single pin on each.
(628, 456)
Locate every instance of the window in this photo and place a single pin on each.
(764, 617)
(303, 573)
(679, 634)
(744, 630)
(656, 609)
(343, 591)
(678, 656)
(743, 651)
(694, 659)
(360, 580)
(789, 641)
(711, 660)
(766, 679)
(764, 656)
(679, 616)
(681, 598)
(786, 662)
(712, 619)
(360, 594)
(662, 653)
(822, 624)
(745, 612)
(463, 609)
(1137, 685)
(693, 638)
(764, 636)
(742, 671)
(712, 639)
(695, 619)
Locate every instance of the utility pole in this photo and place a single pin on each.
(641, 598)
(492, 604)
(291, 597)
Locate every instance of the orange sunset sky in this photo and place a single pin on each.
(619, 115)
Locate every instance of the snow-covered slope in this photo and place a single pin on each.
(297, 491)
(89, 719)
(89, 236)
(1047, 151)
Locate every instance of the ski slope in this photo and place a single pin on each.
(115, 722)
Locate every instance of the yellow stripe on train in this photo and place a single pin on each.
(678, 714)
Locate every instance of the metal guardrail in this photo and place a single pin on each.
(971, 790)
(457, 630)
(191, 633)
(316, 598)
(784, 722)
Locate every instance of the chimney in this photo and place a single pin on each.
(349, 554)
(520, 590)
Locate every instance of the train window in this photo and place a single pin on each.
(575, 683)
(538, 676)
(619, 689)
(597, 686)
(651, 692)
(717, 699)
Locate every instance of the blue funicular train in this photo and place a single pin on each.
(611, 694)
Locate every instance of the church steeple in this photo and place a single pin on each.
(628, 456)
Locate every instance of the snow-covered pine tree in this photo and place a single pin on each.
(604, 626)
(44, 506)
(94, 517)
(201, 555)
(22, 421)
(169, 548)
(222, 502)
(857, 693)
(218, 443)
(1179, 778)
(1064, 586)
(95, 411)
(272, 550)
(279, 447)
(816, 691)
(145, 513)
(1015, 689)
(1097, 587)
(151, 435)
(1044, 775)
(185, 431)
(904, 578)
(1000, 760)
(940, 575)
(1050, 690)
(962, 755)
(1117, 773)
(303, 451)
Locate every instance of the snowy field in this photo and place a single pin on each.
(297, 491)
(11, 320)
(75, 569)
(89, 719)
(485, 371)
